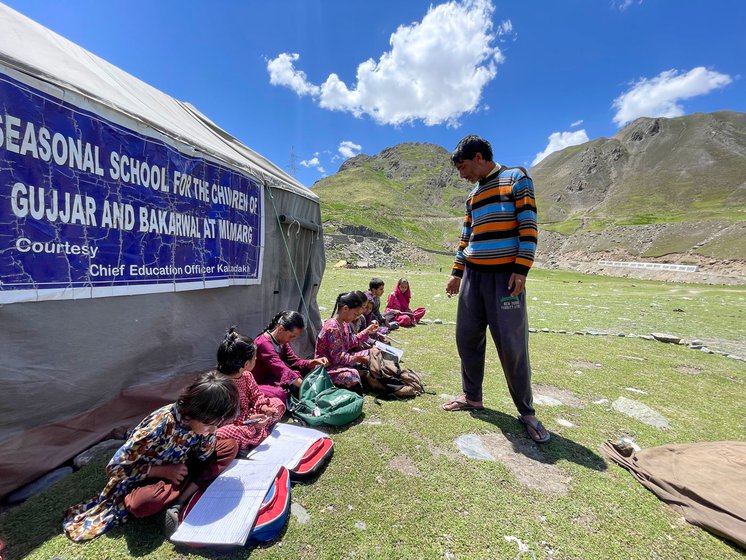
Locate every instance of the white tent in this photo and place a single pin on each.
(133, 232)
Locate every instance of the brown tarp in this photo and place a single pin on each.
(705, 482)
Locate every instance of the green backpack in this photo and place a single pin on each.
(321, 402)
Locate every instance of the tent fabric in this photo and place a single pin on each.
(73, 370)
(705, 482)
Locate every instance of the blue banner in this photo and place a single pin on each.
(92, 208)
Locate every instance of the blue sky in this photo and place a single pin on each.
(326, 79)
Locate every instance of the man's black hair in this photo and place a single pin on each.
(375, 283)
(469, 147)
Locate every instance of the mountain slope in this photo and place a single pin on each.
(673, 189)
(653, 171)
(409, 191)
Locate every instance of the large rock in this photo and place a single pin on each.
(106, 447)
(665, 337)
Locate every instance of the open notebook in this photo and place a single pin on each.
(390, 352)
(226, 512)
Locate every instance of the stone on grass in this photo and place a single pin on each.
(641, 412)
(300, 513)
(39, 485)
(665, 337)
(360, 525)
(522, 547)
(545, 400)
(471, 445)
(565, 423)
(106, 447)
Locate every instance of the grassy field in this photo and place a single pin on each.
(397, 486)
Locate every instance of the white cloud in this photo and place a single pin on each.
(559, 141)
(313, 162)
(349, 149)
(435, 70)
(622, 5)
(282, 73)
(505, 31)
(576, 123)
(660, 96)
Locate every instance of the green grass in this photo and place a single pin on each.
(451, 504)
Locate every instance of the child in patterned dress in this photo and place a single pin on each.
(167, 457)
(338, 344)
(258, 412)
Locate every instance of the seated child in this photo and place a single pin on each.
(398, 304)
(167, 457)
(376, 288)
(365, 320)
(338, 344)
(278, 368)
(258, 413)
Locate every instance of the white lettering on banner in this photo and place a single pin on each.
(92, 203)
(41, 144)
(41, 203)
(25, 245)
(157, 220)
(229, 197)
(141, 270)
(235, 232)
(119, 215)
(96, 270)
(135, 172)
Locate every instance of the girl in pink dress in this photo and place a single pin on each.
(258, 413)
(398, 304)
(278, 369)
(338, 344)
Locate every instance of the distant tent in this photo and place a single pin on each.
(133, 232)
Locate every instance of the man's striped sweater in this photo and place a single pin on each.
(500, 224)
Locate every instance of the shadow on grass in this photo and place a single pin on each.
(558, 448)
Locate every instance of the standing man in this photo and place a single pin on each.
(494, 256)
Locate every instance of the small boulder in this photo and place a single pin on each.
(665, 337)
(107, 447)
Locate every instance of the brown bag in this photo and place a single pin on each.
(386, 377)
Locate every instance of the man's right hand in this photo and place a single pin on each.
(174, 472)
(454, 283)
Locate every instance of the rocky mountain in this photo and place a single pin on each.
(652, 171)
(667, 189)
(405, 203)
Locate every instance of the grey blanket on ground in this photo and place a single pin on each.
(705, 482)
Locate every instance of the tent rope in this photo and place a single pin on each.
(290, 259)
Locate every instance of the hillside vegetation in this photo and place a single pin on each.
(410, 192)
(667, 189)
